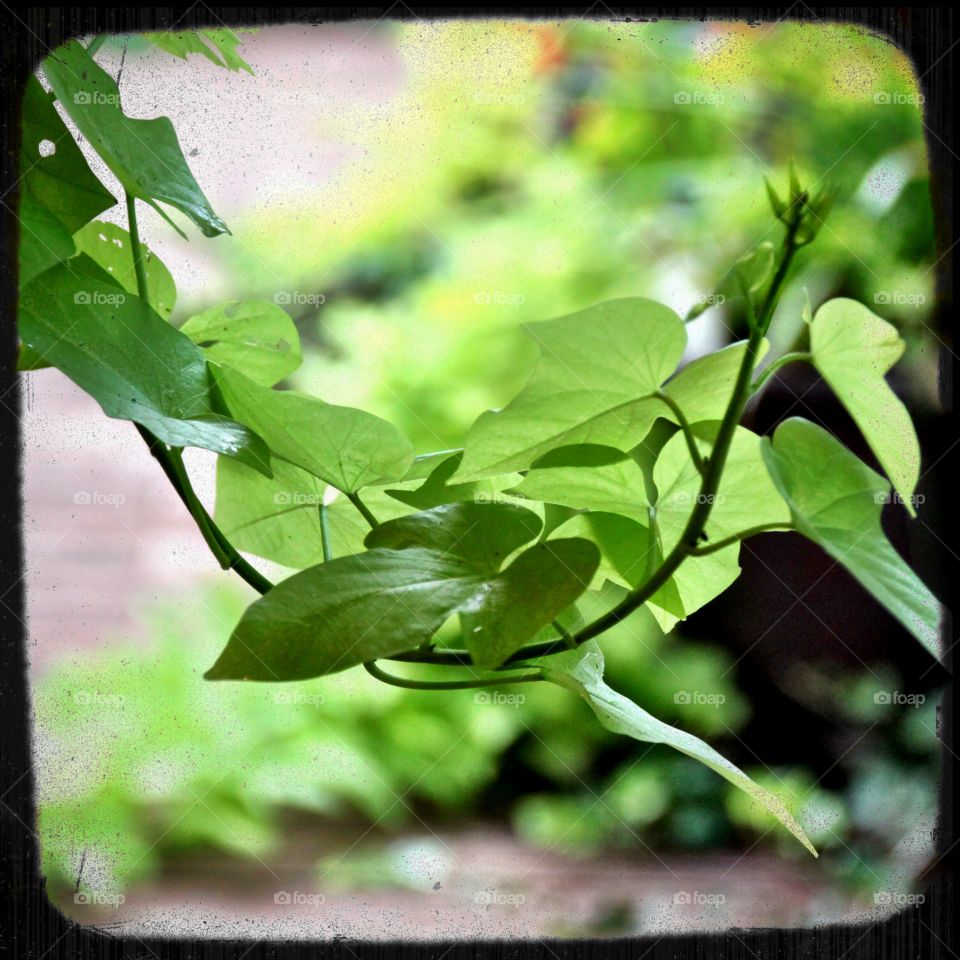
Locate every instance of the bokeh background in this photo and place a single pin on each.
(413, 193)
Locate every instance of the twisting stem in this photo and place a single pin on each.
(707, 549)
(354, 498)
(374, 671)
(171, 459)
(685, 427)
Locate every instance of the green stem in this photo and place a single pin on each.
(374, 671)
(707, 549)
(685, 427)
(768, 371)
(171, 459)
(325, 533)
(354, 498)
(96, 43)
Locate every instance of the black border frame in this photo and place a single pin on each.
(30, 926)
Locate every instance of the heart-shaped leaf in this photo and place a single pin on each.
(597, 368)
(746, 496)
(628, 554)
(255, 337)
(836, 500)
(109, 247)
(77, 318)
(278, 518)
(385, 601)
(582, 672)
(853, 349)
(436, 488)
(345, 447)
(588, 477)
(144, 155)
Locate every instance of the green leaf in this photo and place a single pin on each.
(59, 192)
(144, 155)
(480, 534)
(582, 672)
(627, 555)
(278, 518)
(597, 369)
(109, 247)
(347, 448)
(76, 317)
(588, 477)
(702, 389)
(436, 489)
(853, 349)
(514, 605)
(836, 501)
(385, 601)
(255, 337)
(218, 46)
(745, 498)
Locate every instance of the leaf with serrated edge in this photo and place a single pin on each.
(253, 336)
(582, 672)
(346, 447)
(853, 349)
(595, 369)
(836, 501)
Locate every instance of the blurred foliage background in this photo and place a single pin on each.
(523, 171)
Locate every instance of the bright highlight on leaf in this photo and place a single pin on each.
(582, 672)
(592, 385)
(836, 501)
(853, 349)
